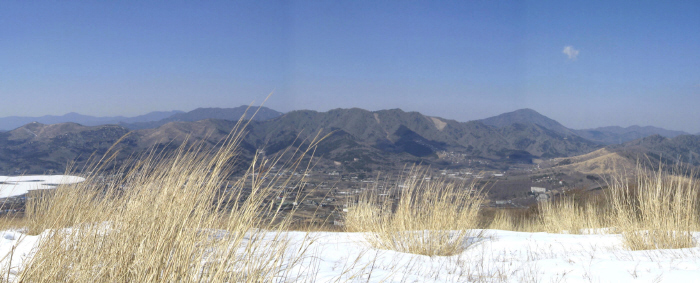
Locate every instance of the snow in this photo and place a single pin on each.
(502, 256)
(18, 185)
(15, 248)
(506, 256)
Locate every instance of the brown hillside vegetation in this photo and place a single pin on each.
(599, 162)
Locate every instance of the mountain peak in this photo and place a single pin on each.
(526, 116)
(526, 110)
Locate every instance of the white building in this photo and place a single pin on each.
(538, 190)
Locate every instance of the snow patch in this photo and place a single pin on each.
(19, 185)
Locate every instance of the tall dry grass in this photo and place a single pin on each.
(568, 213)
(568, 216)
(503, 220)
(655, 210)
(165, 218)
(652, 209)
(519, 219)
(428, 217)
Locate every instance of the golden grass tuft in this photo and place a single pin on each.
(502, 220)
(427, 217)
(651, 209)
(567, 216)
(164, 218)
(655, 210)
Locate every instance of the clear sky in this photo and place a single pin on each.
(585, 64)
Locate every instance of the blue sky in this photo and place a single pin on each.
(626, 63)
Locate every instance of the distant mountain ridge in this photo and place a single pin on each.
(602, 135)
(373, 138)
(414, 134)
(13, 122)
(683, 148)
(147, 121)
(355, 136)
(618, 135)
(231, 114)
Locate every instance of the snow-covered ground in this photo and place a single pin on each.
(19, 185)
(503, 256)
(506, 256)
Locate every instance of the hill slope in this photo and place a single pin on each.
(600, 162)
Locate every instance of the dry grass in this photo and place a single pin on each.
(12, 222)
(164, 219)
(428, 217)
(652, 210)
(516, 219)
(502, 220)
(655, 210)
(568, 216)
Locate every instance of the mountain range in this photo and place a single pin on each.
(619, 135)
(232, 114)
(603, 135)
(147, 121)
(361, 139)
(13, 122)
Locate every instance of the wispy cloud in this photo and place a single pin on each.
(570, 52)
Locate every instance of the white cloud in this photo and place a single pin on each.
(570, 52)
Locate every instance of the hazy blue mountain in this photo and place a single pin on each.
(527, 116)
(231, 114)
(616, 135)
(13, 122)
(602, 135)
